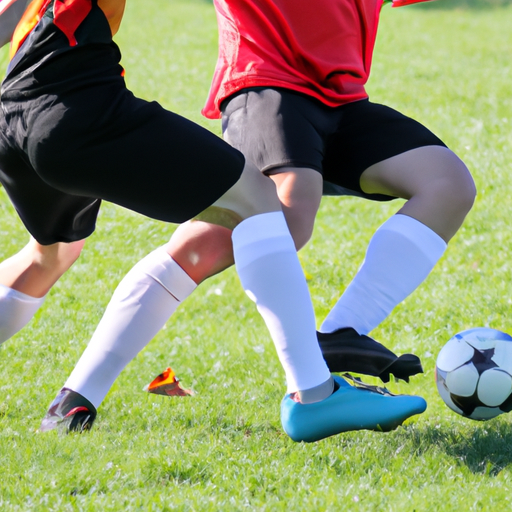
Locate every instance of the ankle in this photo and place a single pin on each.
(316, 394)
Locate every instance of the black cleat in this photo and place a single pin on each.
(345, 350)
(69, 412)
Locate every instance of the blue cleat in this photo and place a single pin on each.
(359, 407)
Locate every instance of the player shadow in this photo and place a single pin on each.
(483, 449)
(447, 5)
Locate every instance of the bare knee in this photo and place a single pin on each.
(450, 193)
(439, 187)
(447, 198)
(201, 249)
(465, 189)
(454, 184)
(300, 193)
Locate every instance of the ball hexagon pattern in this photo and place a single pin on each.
(474, 373)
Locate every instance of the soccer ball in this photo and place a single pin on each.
(474, 373)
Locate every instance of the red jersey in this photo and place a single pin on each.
(322, 48)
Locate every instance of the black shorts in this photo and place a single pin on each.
(277, 128)
(71, 134)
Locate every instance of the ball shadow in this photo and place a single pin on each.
(485, 448)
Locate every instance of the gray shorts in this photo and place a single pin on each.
(277, 128)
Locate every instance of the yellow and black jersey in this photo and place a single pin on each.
(67, 16)
(72, 134)
(51, 28)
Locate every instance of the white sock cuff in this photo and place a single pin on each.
(6, 292)
(430, 243)
(163, 269)
(317, 393)
(260, 235)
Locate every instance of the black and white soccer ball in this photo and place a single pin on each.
(474, 373)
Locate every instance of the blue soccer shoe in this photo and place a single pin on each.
(360, 407)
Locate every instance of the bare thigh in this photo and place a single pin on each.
(437, 184)
(300, 193)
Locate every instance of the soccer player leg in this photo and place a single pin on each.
(440, 192)
(300, 191)
(315, 405)
(142, 303)
(204, 248)
(268, 267)
(27, 277)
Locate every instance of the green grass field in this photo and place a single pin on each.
(446, 64)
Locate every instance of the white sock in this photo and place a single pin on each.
(16, 310)
(270, 272)
(400, 256)
(144, 300)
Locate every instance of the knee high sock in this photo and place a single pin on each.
(400, 256)
(144, 300)
(16, 310)
(270, 273)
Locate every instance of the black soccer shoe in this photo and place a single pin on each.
(69, 412)
(345, 350)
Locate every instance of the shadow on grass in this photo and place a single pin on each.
(479, 5)
(484, 449)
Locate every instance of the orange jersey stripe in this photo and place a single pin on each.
(114, 10)
(68, 16)
(28, 21)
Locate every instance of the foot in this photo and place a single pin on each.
(345, 350)
(70, 411)
(348, 408)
